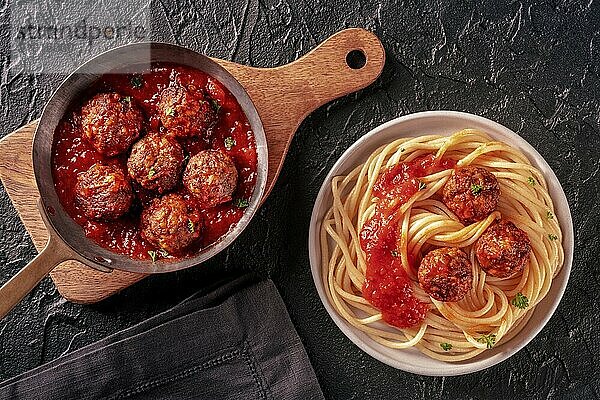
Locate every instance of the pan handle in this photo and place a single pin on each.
(13, 291)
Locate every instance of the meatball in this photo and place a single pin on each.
(170, 223)
(111, 123)
(503, 250)
(103, 192)
(445, 274)
(156, 162)
(211, 177)
(471, 193)
(185, 111)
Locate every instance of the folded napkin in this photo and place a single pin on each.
(236, 342)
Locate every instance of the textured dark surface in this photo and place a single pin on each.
(534, 68)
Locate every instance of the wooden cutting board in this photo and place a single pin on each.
(283, 96)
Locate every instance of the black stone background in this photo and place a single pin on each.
(532, 67)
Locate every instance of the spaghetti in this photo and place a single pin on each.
(493, 310)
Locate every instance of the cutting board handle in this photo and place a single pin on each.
(287, 94)
(331, 70)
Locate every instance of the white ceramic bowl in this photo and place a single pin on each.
(442, 123)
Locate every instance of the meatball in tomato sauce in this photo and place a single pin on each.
(445, 274)
(111, 123)
(171, 223)
(503, 250)
(211, 177)
(186, 111)
(103, 192)
(156, 162)
(471, 193)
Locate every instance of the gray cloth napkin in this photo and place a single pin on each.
(236, 342)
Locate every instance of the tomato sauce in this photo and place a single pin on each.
(387, 285)
(72, 154)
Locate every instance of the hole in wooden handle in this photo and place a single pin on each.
(356, 59)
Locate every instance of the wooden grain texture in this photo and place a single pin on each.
(283, 96)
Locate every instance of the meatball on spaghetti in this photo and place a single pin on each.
(211, 177)
(156, 162)
(103, 192)
(170, 223)
(471, 193)
(111, 123)
(445, 274)
(503, 250)
(185, 111)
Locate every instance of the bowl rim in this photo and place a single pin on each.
(504, 350)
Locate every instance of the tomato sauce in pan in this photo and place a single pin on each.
(72, 154)
(387, 285)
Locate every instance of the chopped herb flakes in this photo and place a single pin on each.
(216, 105)
(241, 203)
(156, 254)
(549, 215)
(476, 189)
(170, 111)
(552, 237)
(531, 181)
(446, 346)
(489, 340)
(520, 301)
(163, 253)
(229, 142)
(137, 81)
(190, 226)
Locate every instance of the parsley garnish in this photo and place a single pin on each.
(422, 185)
(216, 105)
(476, 189)
(446, 346)
(531, 181)
(552, 237)
(152, 255)
(127, 99)
(190, 226)
(241, 203)
(549, 215)
(151, 172)
(489, 340)
(170, 111)
(520, 301)
(163, 253)
(229, 142)
(137, 81)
